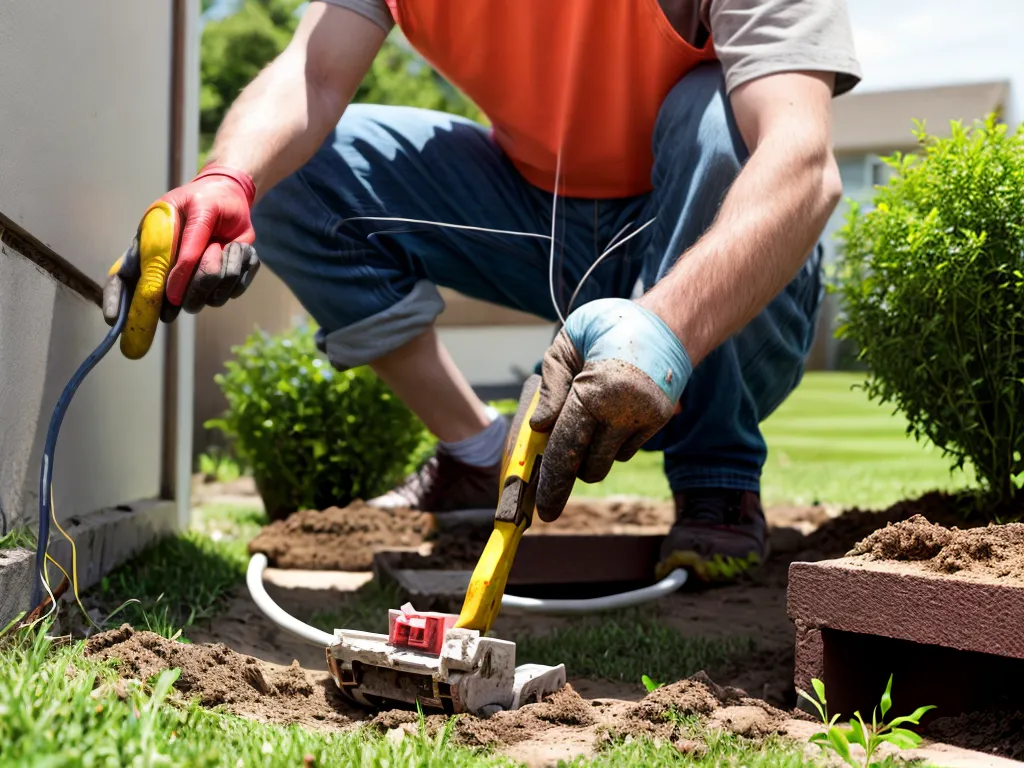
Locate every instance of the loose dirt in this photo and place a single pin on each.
(345, 539)
(755, 608)
(563, 725)
(995, 552)
(339, 539)
(218, 676)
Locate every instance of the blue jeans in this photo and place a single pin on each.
(371, 285)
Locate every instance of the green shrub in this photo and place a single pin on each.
(932, 287)
(312, 435)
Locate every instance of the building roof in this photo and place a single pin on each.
(883, 120)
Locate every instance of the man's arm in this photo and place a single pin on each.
(770, 220)
(283, 115)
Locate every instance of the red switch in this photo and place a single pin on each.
(419, 630)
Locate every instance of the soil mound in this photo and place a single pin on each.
(995, 551)
(218, 676)
(340, 539)
(344, 539)
(562, 708)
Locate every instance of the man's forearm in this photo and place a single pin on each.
(769, 222)
(283, 116)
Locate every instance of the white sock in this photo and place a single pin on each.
(485, 448)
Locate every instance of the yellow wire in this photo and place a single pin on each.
(74, 561)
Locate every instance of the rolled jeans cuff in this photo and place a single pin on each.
(377, 335)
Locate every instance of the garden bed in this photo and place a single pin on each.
(918, 597)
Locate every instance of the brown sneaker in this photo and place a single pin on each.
(455, 493)
(718, 535)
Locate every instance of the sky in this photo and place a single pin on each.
(913, 43)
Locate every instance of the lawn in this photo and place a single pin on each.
(827, 443)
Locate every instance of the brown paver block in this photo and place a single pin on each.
(953, 642)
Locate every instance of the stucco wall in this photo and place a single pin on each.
(108, 450)
(84, 148)
(84, 121)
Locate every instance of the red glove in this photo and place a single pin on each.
(192, 249)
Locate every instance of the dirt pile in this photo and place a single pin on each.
(724, 708)
(340, 539)
(344, 539)
(218, 676)
(992, 552)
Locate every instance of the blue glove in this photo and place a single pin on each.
(610, 381)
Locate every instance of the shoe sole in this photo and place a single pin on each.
(718, 569)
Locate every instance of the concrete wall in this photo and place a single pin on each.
(85, 131)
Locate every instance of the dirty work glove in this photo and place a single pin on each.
(193, 248)
(610, 381)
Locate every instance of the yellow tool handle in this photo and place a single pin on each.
(158, 248)
(520, 472)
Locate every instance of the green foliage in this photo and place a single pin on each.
(649, 684)
(838, 738)
(18, 538)
(217, 465)
(314, 436)
(234, 49)
(400, 76)
(932, 286)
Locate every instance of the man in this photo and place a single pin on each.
(693, 135)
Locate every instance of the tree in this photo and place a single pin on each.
(234, 50)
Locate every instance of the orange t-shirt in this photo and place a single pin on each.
(572, 86)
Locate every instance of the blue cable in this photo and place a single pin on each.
(46, 471)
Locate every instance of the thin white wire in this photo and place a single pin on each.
(448, 225)
(551, 256)
(602, 257)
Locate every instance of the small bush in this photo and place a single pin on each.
(313, 436)
(932, 286)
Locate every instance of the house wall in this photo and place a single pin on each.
(85, 118)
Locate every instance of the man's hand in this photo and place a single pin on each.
(193, 248)
(610, 381)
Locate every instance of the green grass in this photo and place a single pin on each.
(366, 609)
(827, 443)
(627, 645)
(716, 748)
(61, 709)
(54, 711)
(184, 579)
(18, 538)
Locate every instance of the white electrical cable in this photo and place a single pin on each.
(274, 612)
(607, 252)
(666, 586)
(287, 622)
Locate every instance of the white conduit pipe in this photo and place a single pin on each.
(287, 622)
(274, 612)
(666, 586)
